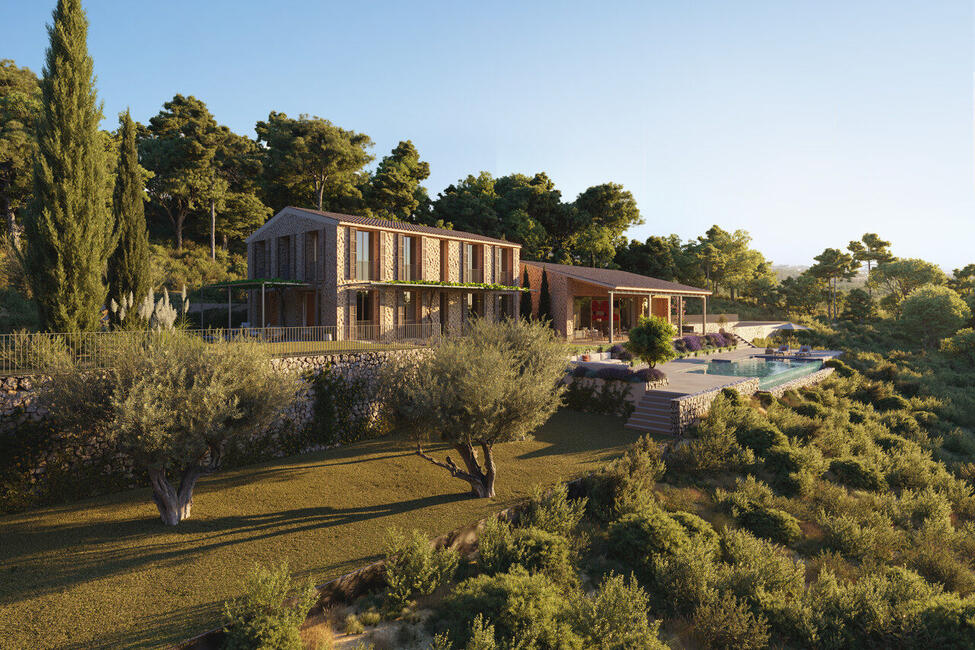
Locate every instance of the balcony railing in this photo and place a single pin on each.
(472, 275)
(366, 270)
(44, 353)
(408, 273)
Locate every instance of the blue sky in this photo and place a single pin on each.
(805, 123)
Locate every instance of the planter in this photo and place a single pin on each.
(585, 357)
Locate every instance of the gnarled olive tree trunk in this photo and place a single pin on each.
(174, 504)
(480, 476)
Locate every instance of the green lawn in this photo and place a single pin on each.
(106, 573)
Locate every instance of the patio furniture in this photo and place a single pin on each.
(804, 351)
(783, 350)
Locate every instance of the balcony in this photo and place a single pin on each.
(472, 275)
(366, 270)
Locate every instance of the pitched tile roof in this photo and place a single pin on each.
(373, 222)
(616, 279)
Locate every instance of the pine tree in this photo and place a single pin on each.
(544, 300)
(128, 267)
(68, 229)
(526, 298)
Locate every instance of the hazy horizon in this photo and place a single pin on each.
(805, 125)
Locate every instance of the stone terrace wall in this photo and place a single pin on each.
(687, 409)
(801, 382)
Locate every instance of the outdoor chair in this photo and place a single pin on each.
(804, 351)
(783, 350)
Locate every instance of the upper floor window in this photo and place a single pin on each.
(409, 267)
(284, 258)
(363, 256)
(471, 267)
(260, 259)
(312, 263)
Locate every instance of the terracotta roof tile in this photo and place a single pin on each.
(373, 222)
(615, 278)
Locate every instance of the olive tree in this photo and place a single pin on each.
(498, 383)
(652, 340)
(174, 402)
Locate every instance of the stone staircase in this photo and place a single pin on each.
(652, 413)
(741, 342)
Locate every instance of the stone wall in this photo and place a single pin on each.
(687, 409)
(18, 402)
(801, 382)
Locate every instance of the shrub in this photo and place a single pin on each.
(771, 523)
(626, 485)
(861, 540)
(621, 353)
(481, 636)
(692, 343)
(353, 625)
(760, 437)
(262, 617)
(333, 421)
(650, 375)
(527, 610)
(701, 532)
(683, 581)
(614, 373)
(652, 340)
(535, 550)
(579, 371)
(892, 403)
(413, 567)
(931, 313)
(726, 622)
(857, 474)
(715, 447)
(961, 346)
(636, 537)
(758, 566)
(370, 618)
(610, 397)
(616, 617)
(553, 511)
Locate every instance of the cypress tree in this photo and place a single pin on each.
(544, 300)
(128, 267)
(526, 298)
(68, 229)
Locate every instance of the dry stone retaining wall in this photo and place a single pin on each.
(687, 409)
(801, 382)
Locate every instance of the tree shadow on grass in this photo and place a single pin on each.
(157, 630)
(78, 553)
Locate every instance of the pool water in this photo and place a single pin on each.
(770, 372)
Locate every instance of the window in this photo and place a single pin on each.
(284, 258)
(582, 313)
(471, 270)
(312, 265)
(363, 256)
(406, 308)
(363, 307)
(260, 260)
(474, 305)
(507, 257)
(504, 306)
(409, 269)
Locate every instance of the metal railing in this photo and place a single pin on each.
(366, 270)
(35, 352)
(408, 273)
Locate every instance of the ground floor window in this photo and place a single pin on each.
(505, 309)
(474, 304)
(582, 312)
(406, 307)
(363, 306)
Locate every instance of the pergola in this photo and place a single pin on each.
(259, 283)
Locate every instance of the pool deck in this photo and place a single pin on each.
(684, 382)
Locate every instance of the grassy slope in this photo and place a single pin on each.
(105, 573)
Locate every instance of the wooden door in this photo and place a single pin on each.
(310, 312)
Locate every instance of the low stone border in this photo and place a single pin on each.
(800, 382)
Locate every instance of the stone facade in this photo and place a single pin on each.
(333, 290)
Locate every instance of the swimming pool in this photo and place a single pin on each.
(770, 372)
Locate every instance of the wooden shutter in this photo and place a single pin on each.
(351, 236)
